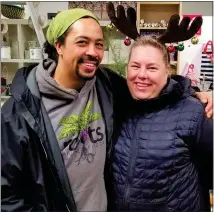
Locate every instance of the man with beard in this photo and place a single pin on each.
(58, 125)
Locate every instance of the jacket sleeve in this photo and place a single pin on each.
(204, 134)
(122, 99)
(14, 181)
(204, 156)
(193, 88)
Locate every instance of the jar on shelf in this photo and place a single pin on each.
(5, 50)
(35, 53)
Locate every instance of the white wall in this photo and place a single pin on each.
(198, 7)
(52, 7)
(43, 8)
(207, 29)
(192, 53)
(206, 10)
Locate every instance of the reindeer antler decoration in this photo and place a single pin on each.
(180, 32)
(175, 32)
(126, 25)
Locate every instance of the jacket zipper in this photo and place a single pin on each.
(52, 172)
(68, 208)
(134, 144)
(24, 107)
(50, 168)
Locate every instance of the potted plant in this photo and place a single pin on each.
(117, 62)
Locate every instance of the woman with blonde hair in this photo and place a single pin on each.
(157, 156)
(165, 141)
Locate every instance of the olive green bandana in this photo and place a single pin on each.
(63, 21)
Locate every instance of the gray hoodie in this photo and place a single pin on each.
(79, 126)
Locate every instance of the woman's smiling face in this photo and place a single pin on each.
(147, 72)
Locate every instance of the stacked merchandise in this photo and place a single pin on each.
(206, 74)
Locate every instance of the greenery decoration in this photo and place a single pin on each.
(119, 63)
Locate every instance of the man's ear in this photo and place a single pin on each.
(58, 47)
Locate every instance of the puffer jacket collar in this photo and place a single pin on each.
(178, 87)
(21, 92)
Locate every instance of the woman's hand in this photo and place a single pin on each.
(206, 98)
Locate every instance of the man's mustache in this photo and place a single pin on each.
(81, 60)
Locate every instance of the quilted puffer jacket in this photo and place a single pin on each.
(159, 153)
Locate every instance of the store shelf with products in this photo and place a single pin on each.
(19, 61)
(27, 21)
(152, 28)
(154, 12)
(18, 37)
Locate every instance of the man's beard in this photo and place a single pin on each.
(85, 78)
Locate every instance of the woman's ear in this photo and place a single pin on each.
(58, 47)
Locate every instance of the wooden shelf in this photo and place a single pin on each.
(154, 12)
(15, 21)
(26, 22)
(5, 97)
(159, 3)
(19, 61)
(173, 63)
(153, 28)
(14, 2)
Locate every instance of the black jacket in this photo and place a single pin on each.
(33, 174)
(159, 158)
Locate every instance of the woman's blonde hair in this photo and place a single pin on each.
(151, 41)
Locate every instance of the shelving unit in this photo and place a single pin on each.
(153, 28)
(20, 32)
(17, 37)
(19, 61)
(26, 22)
(154, 12)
